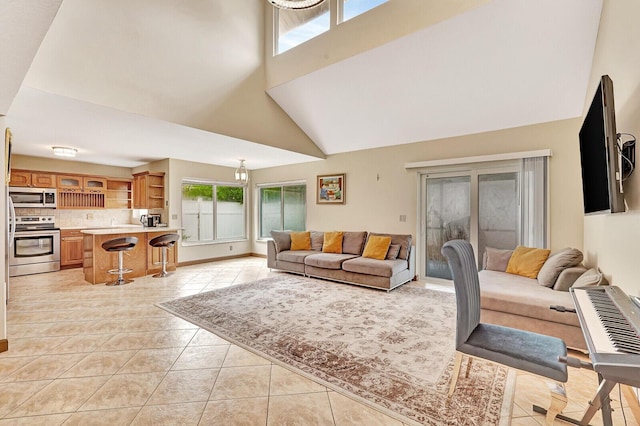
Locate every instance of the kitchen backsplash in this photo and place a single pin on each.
(67, 218)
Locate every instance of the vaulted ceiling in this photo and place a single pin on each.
(131, 82)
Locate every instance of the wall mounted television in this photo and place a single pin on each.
(603, 169)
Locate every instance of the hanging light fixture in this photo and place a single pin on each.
(295, 4)
(64, 151)
(242, 175)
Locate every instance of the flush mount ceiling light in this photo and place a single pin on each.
(295, 4)
(242, 175)
(64, 151)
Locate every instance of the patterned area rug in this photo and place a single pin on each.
(392, 351)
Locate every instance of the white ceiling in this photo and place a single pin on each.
(506, 64)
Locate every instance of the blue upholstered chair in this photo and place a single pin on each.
(522, 350)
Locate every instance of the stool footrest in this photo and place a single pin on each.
(118, 271)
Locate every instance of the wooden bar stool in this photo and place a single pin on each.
(120, 245)
(164, 242)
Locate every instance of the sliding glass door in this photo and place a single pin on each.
(494, 205)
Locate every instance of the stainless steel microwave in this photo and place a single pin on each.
(33, 197)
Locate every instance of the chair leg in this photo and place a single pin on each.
(466, 373)
(456, 372)
(558, 401)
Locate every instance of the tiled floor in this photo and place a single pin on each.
(89, 354)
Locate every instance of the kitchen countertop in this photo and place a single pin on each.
(134, 229)
(117, 225)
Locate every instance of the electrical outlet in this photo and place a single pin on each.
(230, 248)
(89, 216)
(403, 218)
(174, 217)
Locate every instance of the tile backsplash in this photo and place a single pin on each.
(76, 218)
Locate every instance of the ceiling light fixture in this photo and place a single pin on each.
(295, 4)
(64, 151)
(242, 175)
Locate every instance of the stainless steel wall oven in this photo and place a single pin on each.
(36, 246)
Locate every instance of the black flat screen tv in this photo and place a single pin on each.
(599, 154)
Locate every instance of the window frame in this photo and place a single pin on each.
(215, 184)
(261, 186)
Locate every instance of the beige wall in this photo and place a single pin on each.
(612, 242)
(66, 166)
(376, 205)
(3, 237)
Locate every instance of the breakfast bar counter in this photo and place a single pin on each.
(142, 259)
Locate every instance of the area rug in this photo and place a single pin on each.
(392, 351)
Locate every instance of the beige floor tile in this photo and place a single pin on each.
(126, 390)
(148, 360)
(100, 364)
(184, 386)
(45, 367)
(286, 382)
(349, 412)
(242, 382)
(206, 338)
(174, 414)
(113, 417)
(236, 412)
(48, 420)
(32, 346)
(60, 396)
(239, 357)
(14, 394)
(78, 344)
(301, 409)
(10, 365)
(195, 357)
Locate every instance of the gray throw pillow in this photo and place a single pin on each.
(556, 263)
(282, 240)
(592, 277)
(392, 253)
(353, 242)
(496, 259)
(317, 238)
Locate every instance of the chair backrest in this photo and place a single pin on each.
(462, 263)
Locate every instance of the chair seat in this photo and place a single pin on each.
(523, 350)
(120, 244)
(166, 240)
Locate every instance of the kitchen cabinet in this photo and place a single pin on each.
(148, 190)
(71, 251)
(69, 183)
(94, 184)
(27, 178)
(118, 194)
(81, 192)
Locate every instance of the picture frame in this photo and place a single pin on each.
(330, 189)
(7, 156)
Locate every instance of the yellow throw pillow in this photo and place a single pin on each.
(301, 240)
(377, 247)
(332, 242)
(527, 261)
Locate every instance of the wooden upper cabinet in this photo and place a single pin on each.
(148, 190)
(94, 184)
(29, 179)
(69, 183)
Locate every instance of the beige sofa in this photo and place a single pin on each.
(520, 302)
(349, 266)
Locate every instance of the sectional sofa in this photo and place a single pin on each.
(348, 264)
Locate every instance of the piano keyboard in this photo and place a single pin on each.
(612, 319)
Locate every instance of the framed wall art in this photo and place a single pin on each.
(330, 189)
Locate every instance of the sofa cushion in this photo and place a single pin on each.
(327, 260)
(353, 242)
(282, 240)
(496, 259)
(300, 240)
(590, 278)
(297, 256)
(332, 242)
(568, 277)
(527, 261)
(556, 263)
(523, 296)
(317, 238)
(392, 253)
(377, 247)
(380, 268)
(403, 240)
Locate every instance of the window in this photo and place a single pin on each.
(212, 212)
(282, 207)
(352, 8)
(297, 26)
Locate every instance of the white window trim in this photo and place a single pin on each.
(257, 197)
(479, 159)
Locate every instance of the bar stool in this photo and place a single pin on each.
(164, 242)
(120, 245)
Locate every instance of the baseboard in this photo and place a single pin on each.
(264, 256)
(4, 345)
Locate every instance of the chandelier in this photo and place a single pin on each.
(241, 174)
(295, 4)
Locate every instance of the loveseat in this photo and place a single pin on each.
(345, 257)
(519, 301)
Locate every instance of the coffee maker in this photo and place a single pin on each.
(150, 220)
